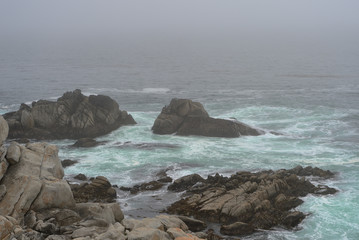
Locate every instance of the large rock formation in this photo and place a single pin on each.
(185, 117)
(72, 116)
(34, 181)
(247, 201)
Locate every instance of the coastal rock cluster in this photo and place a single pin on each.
(72, 116)
(245, 202)
(185, 117)
(37, 203)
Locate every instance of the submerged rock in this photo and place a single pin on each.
(185, 117)
(86, 143)
(72, 116)
(248, 201)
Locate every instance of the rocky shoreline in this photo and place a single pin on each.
(36, 202)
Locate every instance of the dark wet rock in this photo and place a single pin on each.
(81, 177)
(163, 177)
(237, 228)
(185, 117)
(150, 186)
(310, 171)
(185, 182)
(22, 140)
(72, 116)
(147, 146)
(68, 162)
(293, 219)
(258, 200)
(86, 143)
(193, 224)
(98, 190)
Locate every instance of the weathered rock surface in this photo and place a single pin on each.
(4, 130)
(72, 116)
(35, 182)
(251, 201)
(185, 117)
(98, 190)
(13, 153)
(194, 225)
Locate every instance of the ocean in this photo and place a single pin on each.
(306, 90)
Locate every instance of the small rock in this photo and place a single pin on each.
(86, 143)
(13, 153)
(237, 228)
(185, 182)
(68, 162)
(194, 225)
(293, 219)
(81, 177)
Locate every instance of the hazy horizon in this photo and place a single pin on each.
(158, 19)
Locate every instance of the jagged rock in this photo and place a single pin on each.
(237, 228)
(185, 117)
(150, 186)
(72, 116)
(7, 226)
(258, 200)
(35, 182)
(99, 190)
(13, 153)
(4, 130)
(68, 162)
(194, 225)
(185, 182)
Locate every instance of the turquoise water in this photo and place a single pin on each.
(309, 94)
(320, 136)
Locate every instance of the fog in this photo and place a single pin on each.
(187, 19)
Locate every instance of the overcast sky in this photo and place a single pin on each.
(171, 17)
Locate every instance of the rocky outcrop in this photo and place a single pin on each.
(34, 181)
(98, 190)
(248, 201)
(72, 116)
(185, 117)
